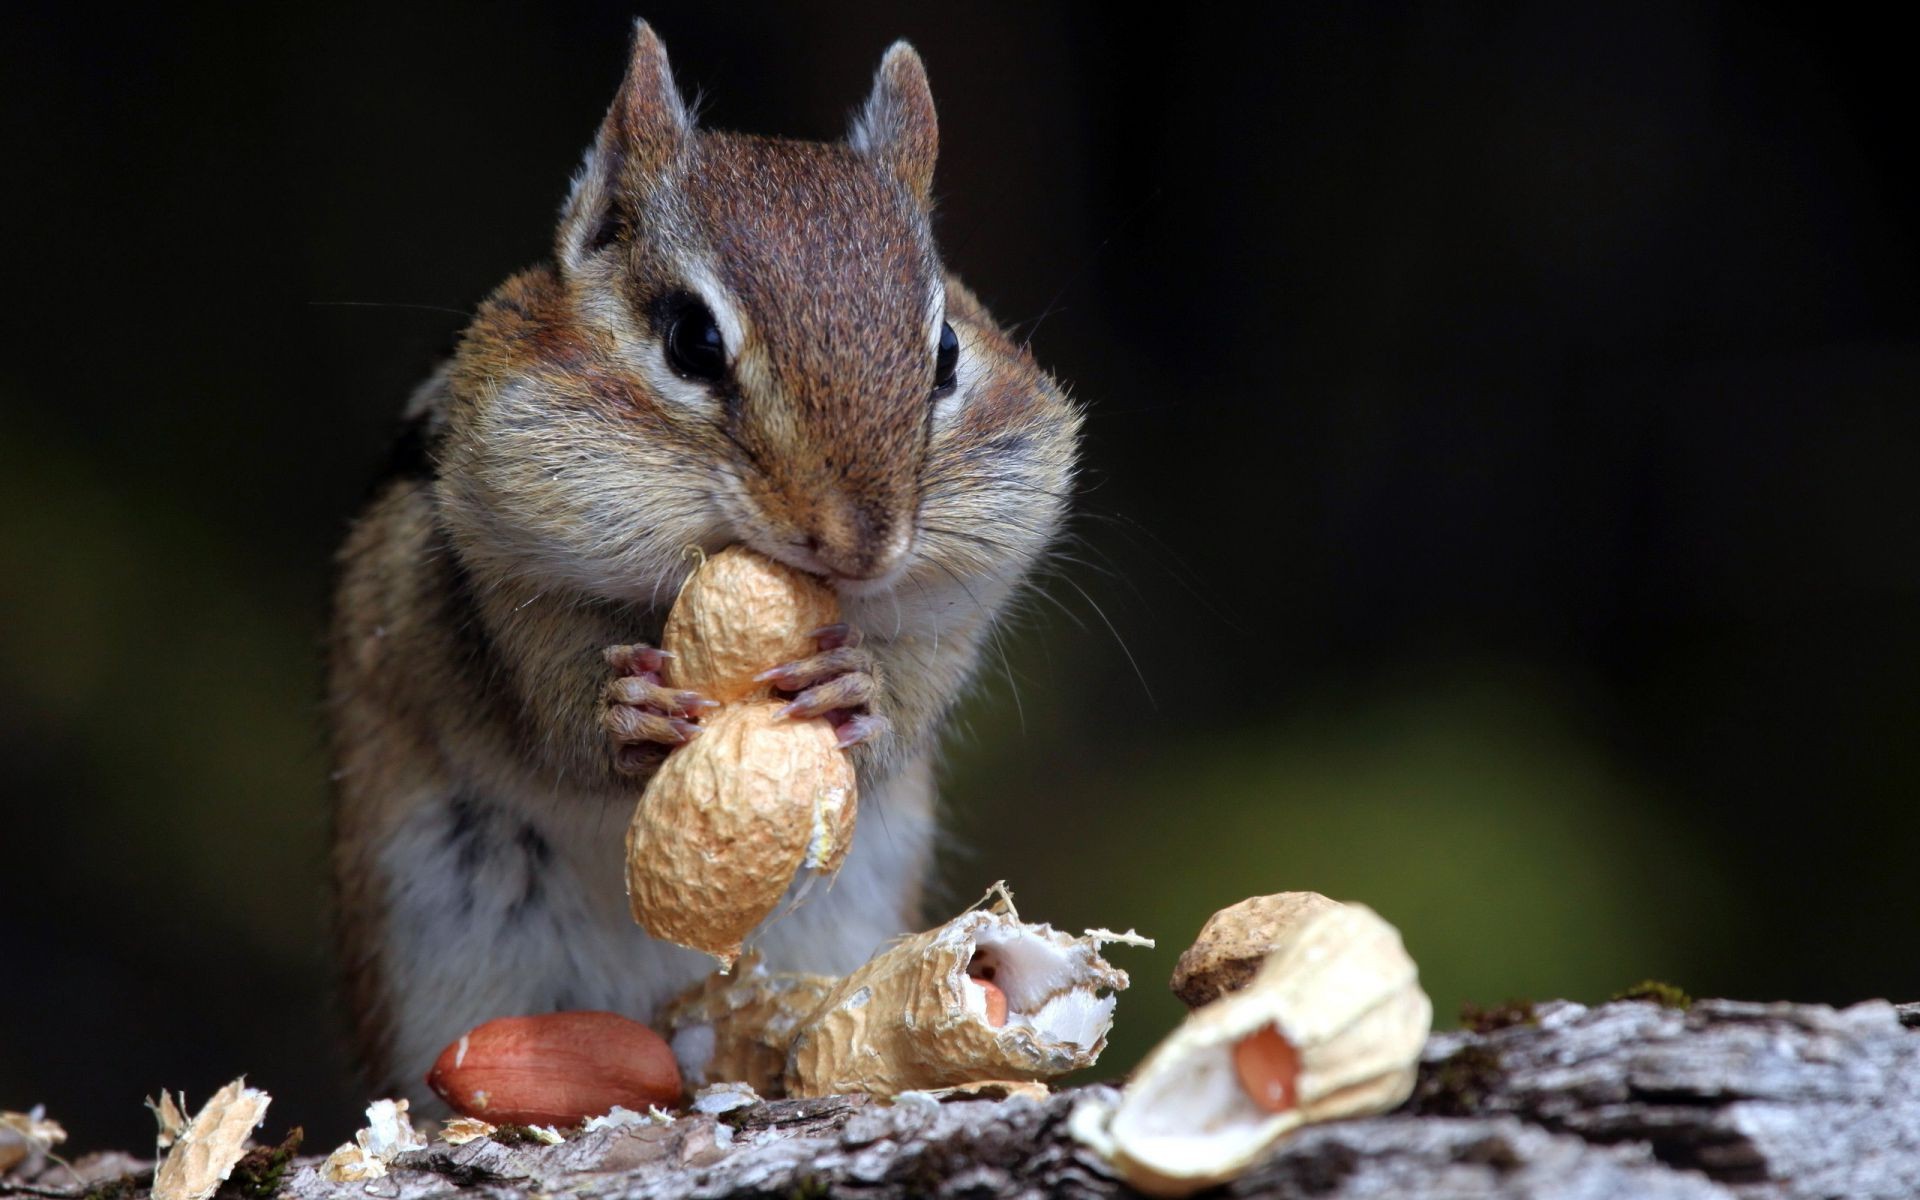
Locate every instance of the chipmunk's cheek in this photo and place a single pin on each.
(946, 410)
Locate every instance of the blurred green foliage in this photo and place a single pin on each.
(1466, 805)
(181, 682)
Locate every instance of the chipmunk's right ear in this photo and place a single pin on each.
(643, 133)
(897, 126)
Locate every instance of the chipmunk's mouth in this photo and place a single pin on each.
(800, 555)
(880, 586)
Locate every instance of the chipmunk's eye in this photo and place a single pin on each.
(947, 361)
(694, 345)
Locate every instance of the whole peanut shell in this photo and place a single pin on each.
(739, 614)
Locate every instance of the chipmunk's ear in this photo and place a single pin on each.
(898, 127)
(643, 133)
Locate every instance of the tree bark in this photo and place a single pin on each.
(1629, 1099)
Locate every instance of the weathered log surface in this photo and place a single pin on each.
(1631, 1100)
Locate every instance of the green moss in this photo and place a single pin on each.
(515, 1135)
(811, 1187)
(262, 1170)
(123, 1187)
(1499, 1016)
(1459, 1084)
(1664, 994)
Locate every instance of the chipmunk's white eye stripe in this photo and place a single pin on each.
(937, 305)
(733, 326)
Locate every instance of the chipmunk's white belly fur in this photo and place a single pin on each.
(504, 907)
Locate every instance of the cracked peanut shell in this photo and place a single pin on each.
(921, 1014)
(1331, 1026)
(738, 1028)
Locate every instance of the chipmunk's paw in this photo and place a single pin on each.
(837, 683)
(643, 718)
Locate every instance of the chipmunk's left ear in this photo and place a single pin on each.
(898, 127)
(645, 130)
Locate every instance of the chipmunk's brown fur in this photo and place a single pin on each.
(558, 467)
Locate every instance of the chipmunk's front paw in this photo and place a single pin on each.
(836, 683)
(643, 718)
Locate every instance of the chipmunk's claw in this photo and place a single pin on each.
(643, 718)
(836, 682)
(804, 673)
(833, 637)
(641, 691)
(851, 690)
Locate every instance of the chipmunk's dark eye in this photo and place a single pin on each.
(694, 345)
(947, 361)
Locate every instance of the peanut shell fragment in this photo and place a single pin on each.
(738, 1028)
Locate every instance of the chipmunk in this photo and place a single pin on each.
(740, 339)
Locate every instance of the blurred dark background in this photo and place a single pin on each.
(1500, 505)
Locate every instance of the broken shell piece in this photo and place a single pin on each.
(204, 1153)
(739, 614)
(461, 1130)
(1236, 940)
(622, 1117)
(389, 1133)
(24, 1135)
(923, 1014)
(1331, 1026)
(717, 1098)
(730, 818)
(737, 1028)
(169, 1115)
(994, 1089)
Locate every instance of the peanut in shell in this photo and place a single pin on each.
(741, 613)
(729, 820)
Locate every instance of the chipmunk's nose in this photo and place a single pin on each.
(859, 541)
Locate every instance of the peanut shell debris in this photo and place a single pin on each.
(204, 1153)
(737, 1029)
